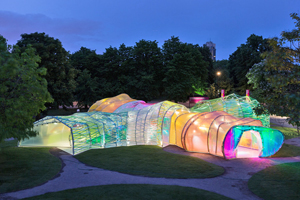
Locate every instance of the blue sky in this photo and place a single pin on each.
(98, 24)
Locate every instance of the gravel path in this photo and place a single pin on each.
(233, 183)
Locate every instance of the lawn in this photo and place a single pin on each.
(286, 149)
(140, 191)
(22, 168)
(150, 161)
(287, 132)
(277, 182)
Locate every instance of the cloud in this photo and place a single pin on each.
(71, 32)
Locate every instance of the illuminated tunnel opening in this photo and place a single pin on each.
(250, 145)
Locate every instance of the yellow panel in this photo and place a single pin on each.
(95, 105)
(172, 136)
(113, 106)
(108, 105)
(179, 126)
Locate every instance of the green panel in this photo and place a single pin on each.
(235, 105)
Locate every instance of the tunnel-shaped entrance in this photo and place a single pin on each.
(250, 145)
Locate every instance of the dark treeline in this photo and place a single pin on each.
(144, 71)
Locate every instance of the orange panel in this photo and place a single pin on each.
(113, 106)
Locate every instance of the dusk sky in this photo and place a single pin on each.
(98, 24)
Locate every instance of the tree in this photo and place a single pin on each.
(223, 81)
(23, 91)
(204, 50)
(146, 76)
(60, 75)
(277, 79)
(79, 60)
(184, 69)
(244, 58)
(87, 89)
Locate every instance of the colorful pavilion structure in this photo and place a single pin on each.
(213, 127)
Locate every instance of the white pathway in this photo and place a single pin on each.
(233, 183)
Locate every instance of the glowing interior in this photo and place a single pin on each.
(250, 145)
(127, 122)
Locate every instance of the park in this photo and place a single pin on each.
(136, 130)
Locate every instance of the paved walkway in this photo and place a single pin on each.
(233, 183)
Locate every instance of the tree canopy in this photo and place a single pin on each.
(23, 91)
(60, 75)
(277, 79)
(244, 58)
(185, 69)
(143, 71)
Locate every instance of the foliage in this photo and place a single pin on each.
(114, 71)
(22, 168)
(212, 92)
(199, 91)
(205, 52)
(132, 191)
(184, 69)
(244, 58)
(223, 81)
(149, 161)
(87, 89)
(86, 92)
(23, 91)
(60, 75)
(277, 79)
(147, 62)
(145, 71)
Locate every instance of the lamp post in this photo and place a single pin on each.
(218, 75)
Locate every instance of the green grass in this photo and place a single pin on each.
(277, 182)
(287, 150)
(134, 191)
(149, 161)
(22, 168)
(287, 132)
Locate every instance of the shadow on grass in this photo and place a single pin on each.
(287, 150)
(22, 168)
(149, 161)
(277, 182)
(134, 191)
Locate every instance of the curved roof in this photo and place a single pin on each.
(238, 106)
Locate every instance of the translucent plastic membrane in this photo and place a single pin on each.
(138, 123)
(271, 141)
(110, 104)
(235, 105)
(81, 131)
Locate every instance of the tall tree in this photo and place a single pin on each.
(87, 89)
(207, 58)
(277, 79)
(147, 62)
(60, 75)
(79, 60)
(185, 69)
(244, 58)
(23, 91)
